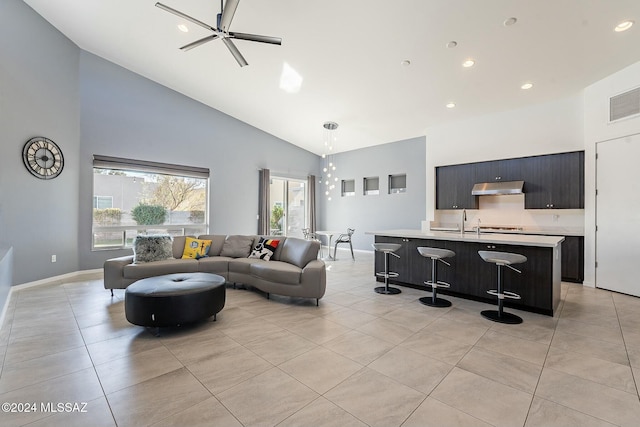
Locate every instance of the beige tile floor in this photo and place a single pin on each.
(358, 359)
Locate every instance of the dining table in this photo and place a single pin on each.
(329, 235)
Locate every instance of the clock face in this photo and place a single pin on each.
(43, 158)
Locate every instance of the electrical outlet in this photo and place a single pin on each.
(53, 258)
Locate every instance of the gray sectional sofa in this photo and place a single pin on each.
(293, 270)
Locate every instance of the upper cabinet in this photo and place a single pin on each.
(554, 181)
(499, 170)
(453, 187)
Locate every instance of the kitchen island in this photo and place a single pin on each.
(470, 277)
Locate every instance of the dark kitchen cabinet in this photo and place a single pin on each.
(470, 277)
(453, 187)
(408, 267)
(554, 181)
(474, 276)
(573, 259)
(499, 170)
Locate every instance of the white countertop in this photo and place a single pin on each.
(548, 231)
(498, 238)
(517, 229)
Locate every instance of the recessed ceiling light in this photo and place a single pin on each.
(183, 28)
(526, 86)
(623, 26)
(405, 62)
(468, 63)
(451, 105)
(510, 21)
(452, 44)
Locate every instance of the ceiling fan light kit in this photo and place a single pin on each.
(221, 31)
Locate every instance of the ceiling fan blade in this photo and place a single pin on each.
(199, 42)
(235, 52)
(183, 16)
(256, 38)
(227, 14)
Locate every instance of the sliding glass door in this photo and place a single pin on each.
(288, 206)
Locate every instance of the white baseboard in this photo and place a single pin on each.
(75, 276)
(347, 250)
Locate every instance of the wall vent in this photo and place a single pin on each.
(625, 105)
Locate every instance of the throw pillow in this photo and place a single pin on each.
(264, 249)
(196, 248)
(237, 246)
(152, 248)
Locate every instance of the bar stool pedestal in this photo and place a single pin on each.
(387, 248)
(436, 254)
(502, 259)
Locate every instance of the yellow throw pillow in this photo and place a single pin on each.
(196, 248)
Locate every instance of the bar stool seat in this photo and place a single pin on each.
(502, 259)
(387, 249)
(435, 254)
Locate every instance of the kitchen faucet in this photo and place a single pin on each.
(463, 219)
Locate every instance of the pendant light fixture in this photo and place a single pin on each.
(329, 179)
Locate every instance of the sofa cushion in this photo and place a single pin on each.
(217, 241)
(196, 248)
(242, 265)
(276, 271)
(299, 252)
(237, 246)
(158, 268)
(214, 264)
(152, 248)
(178, 245)
(264, 249)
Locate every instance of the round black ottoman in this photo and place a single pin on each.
(174, 299)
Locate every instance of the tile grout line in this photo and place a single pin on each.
(4, 356)
(544, 362)
(93, 365)
(624, 341)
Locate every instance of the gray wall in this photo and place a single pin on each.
(383, 211)
(49, 87)
(126, 115)
(6, 276)
(38, 97)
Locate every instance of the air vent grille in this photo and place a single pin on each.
(624, 105)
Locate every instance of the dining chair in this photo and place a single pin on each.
(344, 238)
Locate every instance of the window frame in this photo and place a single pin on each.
(348, 188)
(286, 203)
(140, 168)
(368, 182)
(394, 188)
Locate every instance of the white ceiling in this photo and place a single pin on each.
(349, 55)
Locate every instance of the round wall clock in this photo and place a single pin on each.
(43, 158)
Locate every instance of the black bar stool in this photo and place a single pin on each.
(387, 248)
(502, 259)
(436, 254)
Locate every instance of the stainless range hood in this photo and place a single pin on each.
(497, 188)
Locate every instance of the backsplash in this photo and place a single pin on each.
(509, 211)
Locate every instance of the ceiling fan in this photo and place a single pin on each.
(221, 31)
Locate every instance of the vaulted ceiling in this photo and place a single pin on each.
(351, 57)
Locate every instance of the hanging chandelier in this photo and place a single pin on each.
(329, 178)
